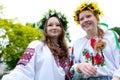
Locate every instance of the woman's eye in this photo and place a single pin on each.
(88, 16)
(58, 25)
(81, 19)
(50, 25)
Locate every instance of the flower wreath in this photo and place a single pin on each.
(59, 15)
(92, 6)
(50, 13)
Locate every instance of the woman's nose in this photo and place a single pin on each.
(85, 19)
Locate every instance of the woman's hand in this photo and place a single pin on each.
(116, 78)
(87, 68)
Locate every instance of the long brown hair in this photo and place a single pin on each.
(100, 44)
(60, 51)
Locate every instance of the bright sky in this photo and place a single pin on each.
(32, 10)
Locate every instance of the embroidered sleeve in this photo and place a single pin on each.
(25, 69)
(26, 56)
(74, 75)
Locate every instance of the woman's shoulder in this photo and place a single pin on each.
(35, 43)
(80, 40)
(109, 34)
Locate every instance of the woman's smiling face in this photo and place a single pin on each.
(88, 21)
(53, 27)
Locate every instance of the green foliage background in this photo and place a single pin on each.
(117, 29)
(19, 36)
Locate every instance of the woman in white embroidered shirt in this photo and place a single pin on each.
(96, 56)
(47, 59)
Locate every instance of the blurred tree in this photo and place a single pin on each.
(19, 37)
(1, 9)
(117, 29)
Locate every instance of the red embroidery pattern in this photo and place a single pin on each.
(26, 56)
(71, 73)
(72, 57)
(92, 42)
(97, 59)
(119, 39)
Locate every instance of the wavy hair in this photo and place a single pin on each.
(58, 52)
